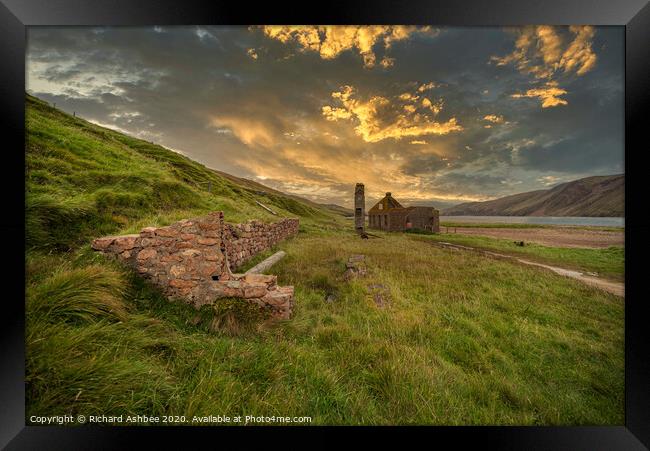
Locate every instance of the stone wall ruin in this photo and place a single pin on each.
(193, 260)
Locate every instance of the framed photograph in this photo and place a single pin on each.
(377, 215)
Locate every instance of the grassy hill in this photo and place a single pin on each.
(263, 190)
(591, 196)
(84, 181)
(456, 338)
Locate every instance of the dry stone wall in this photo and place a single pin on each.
(244, 241)
(192, 260)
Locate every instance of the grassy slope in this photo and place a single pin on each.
(84, 181)
(260, 189)
(466, 340)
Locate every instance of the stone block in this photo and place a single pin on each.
(101, 244)
(124, 243)
(176, 270)
(254, 290)
(146, 254)
(166, 231)
(267, 279)
(148, 232)
(180, 283)
(208, 241)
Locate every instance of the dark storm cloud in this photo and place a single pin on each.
(427, 114)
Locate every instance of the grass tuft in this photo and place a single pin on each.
(83, 294)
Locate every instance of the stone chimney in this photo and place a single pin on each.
(359, 207)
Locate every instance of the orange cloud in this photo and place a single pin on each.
(548, 94)
(579, 56)
(494, 118)
(248, 131)
(330, 41)
(542, 52)
(378, 118)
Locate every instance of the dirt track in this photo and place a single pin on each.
(616, 288)
(557, 236)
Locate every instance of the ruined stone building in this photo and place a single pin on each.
(389, 215)
(193, 260)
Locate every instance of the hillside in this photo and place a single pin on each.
(426, 336)
(264, 190)
(590, 196)
(84, 180)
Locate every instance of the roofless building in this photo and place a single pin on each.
(389, 215)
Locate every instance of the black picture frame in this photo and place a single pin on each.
(16, 15)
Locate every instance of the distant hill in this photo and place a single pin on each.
(590, 196)
(265, 190)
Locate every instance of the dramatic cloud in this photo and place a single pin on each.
(544, 53)
(313, 110)
(379, 118)
(549, 94)
(330, 41)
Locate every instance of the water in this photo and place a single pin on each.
(551, 220)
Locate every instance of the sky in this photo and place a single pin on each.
(437, 116)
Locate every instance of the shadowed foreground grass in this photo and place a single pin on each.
(464, 340)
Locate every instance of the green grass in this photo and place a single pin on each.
(606, 262)
(463, 340)
(498, 225)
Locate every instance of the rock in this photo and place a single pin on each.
(177, 270)
(254, 290)
(179, 283)
(166, 231)
(260, 278)
(207, 269)
(145, 242)
(148, 232)
(124, 243)
(380, 294)
(379, 299)
(233, 284)
(146, 254)
(171, 258)
(101, 244)
(207, 241)
(355, 267)
(330, 298)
